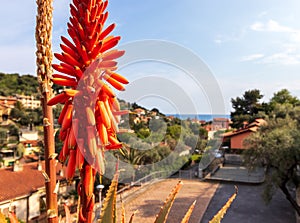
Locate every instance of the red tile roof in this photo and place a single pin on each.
(229, 134)
(252, 127)
(221, 120)
(23, 182)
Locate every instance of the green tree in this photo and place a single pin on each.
(26, 116)
(276, 147)
(11, 84)
(163, 151)
(245, 108)
(17, 112)
(203, 133)
(156, 125)
(284, 97)
(3, 136)
(174, 131)
(281, 104)
(195, 128)
(191, 141)
(143, 133)
(13, 130)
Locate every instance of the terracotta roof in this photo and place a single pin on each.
(221, 120)
(23, 182)
(5, 106)
(252, 127)
(228, 134)
(258, 122)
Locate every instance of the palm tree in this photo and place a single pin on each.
(130, 155)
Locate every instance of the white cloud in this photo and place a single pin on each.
(274, 26)
(290, 56)
(252, 57)
(257, 26)
(284, 58)
(285, 51)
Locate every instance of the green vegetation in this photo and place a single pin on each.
(246, 108)
(3, 135)
(26, 117)
(249, 107)
(275, 146)
(11, 84)
(157, 138)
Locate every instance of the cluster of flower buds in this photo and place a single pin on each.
(91, 112)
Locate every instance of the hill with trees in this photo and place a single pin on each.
(11, 84)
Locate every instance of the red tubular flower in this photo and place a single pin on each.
(87, 68)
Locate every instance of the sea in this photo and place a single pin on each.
(204, 117)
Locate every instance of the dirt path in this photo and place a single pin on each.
(148, 200)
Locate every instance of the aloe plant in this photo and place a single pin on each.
(221, 213)
(165, 209)
(108, 212)
(188, 214)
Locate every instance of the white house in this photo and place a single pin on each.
(22, 189)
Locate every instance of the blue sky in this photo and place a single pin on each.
(246, 44)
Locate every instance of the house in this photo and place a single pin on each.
(220, 124)
(6, 104)
(195, 120)
(29, 138)
(29, 101)
(170, 117)
(7, 157)
(22, 189)
(8, 101)
(235, 139)
(139, 111)
(26, 100)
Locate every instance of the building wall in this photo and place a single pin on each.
(236, 142)
(218, 124)
(26, 100)
(29, 101)
(20, 208)
(34, 205)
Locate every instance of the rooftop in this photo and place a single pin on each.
(23, 182)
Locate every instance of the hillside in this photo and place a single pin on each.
(11, 84)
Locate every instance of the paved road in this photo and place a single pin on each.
(249, 206)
